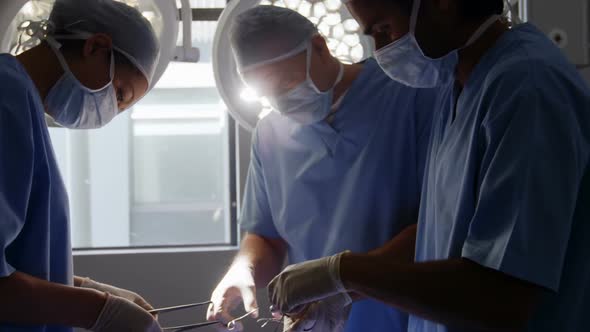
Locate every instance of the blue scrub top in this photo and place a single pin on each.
(34, 222)
(507, 183)
(352, 184)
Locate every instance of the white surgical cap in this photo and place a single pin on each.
(268, 34)
(132, 34)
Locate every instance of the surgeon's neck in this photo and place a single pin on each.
(470, 56)
(42, 66)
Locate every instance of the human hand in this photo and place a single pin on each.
(126, 294)
(237, 286)
(119, 314)
(306, 282)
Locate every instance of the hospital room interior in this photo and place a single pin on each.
(156, 196)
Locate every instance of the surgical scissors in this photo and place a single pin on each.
(181, 328)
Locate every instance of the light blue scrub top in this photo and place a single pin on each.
(34, 217)
(351, 185)
(507, 181)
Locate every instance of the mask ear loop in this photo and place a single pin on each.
(414, 17)
(308, 61)
(482, 29)
(55, 45)
(340, 74)
(112, 66)
(308, 70)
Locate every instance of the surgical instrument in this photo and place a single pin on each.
(178, 307)
(181, 328)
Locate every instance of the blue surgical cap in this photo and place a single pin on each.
(132, 34)
(267, 34)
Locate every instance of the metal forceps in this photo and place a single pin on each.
(231, 325)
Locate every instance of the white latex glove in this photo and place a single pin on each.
(121, 315)
(328, 315)
(306, 282)
(128, 295)
(237, 286)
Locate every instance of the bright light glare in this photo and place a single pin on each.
(319, 10)
(351, 25)
(149, 15)
(304, 9)
(28, 9)
(333, 5)
(249, 95)
(292, 3)
(265, 111)
(334, 22)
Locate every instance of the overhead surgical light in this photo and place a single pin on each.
(249, 95)
(334, 22)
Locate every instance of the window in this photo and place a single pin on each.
(179, 161)
(160, 174)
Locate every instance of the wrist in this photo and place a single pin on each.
(97, 303)
(243, 260)
(334, 268)
(347, 263)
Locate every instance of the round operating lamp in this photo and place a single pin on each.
(343, 36)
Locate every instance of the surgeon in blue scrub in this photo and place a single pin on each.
(96, 58)
(337, 166)
(504, 225)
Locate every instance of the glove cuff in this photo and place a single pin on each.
(103, 315)
(334, 270)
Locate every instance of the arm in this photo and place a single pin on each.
(401, 248)
(258, 260)
(455, 292)
(262, 247)
(23, 295)
(261, 252)
(25, 299)
(265, 256)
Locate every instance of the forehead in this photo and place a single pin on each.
(366, 12)
(371, 12)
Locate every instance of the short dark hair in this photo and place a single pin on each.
(477, 9)
(470, 9)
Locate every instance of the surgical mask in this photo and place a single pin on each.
(75, 106)
(305, 103)
(404, 61)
